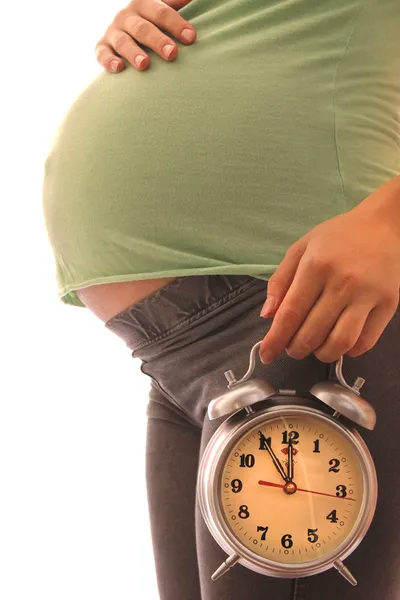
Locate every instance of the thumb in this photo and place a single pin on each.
(281, 280)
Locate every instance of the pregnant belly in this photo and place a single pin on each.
(106, 300)
(225, 156)
(148, 148)
(172, 158)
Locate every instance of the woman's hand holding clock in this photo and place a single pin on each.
(338, 286)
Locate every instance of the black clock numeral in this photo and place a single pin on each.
(341, 491)
(335, 463)
(243, 512)
(293, 435)
(265, 442)
(236, 485)
(286, 541)
(332, 517)
(247, 460)
(312, 535)
(316, 446)
(264, 530)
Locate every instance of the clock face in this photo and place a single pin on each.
(291, 488)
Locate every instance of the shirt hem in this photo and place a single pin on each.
(68, 296)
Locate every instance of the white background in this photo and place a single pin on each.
(73, 505)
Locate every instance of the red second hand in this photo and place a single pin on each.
(279, 485)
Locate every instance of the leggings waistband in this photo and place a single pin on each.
(173, 306)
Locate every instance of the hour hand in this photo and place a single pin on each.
(265, 444)
(290, 465)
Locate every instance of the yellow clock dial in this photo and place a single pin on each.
(291, 488)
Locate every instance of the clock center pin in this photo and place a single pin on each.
(290, 488)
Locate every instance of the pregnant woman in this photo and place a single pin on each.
(265, 159)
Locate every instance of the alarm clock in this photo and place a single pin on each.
(286, 484)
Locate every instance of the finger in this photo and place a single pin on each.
(123, 45)
(305, 290)
(145, 33)
(107, 58)
(167, 18)
(282, 278)
(345, 333)
(376, 323)
(320, 321)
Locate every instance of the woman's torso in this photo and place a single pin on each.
(281, 115)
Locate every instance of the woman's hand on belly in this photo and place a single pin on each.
(142, 20)
(338, 286)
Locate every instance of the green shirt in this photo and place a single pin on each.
(281, 115)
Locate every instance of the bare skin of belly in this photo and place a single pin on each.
(106, 300)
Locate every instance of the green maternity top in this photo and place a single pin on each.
(283, 114)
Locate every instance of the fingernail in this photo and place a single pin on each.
(266, 358)
(139, 59)
(188, 35)
(167, 50)
(114, 65)
(268, 306)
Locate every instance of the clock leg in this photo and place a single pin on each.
(225, 566)
(343, 570)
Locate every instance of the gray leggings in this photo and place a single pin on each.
(186, 335)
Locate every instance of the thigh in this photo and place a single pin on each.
(172, 449)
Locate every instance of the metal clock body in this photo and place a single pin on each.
(286, 486)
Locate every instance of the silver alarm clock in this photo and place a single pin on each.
(286, 485)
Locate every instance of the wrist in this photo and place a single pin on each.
(384, 205)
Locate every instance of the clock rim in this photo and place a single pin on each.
(208, 483)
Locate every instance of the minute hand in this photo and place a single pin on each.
(290, 470)
(266, 443)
